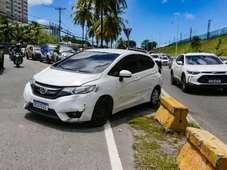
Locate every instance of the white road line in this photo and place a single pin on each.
(164, 93)
(112, 148)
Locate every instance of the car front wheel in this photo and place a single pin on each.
(185, 86)
(173, 81)
(102, 111)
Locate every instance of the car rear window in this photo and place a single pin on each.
(87, 62)
(202, 60)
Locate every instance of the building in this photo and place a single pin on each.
(16, 10)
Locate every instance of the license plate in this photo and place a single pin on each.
(214, 81)
(40, 105)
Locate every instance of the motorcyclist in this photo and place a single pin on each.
(17, 49)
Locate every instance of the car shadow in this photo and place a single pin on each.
(2, 70)
(115, 120)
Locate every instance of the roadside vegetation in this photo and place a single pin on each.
(155, 148)
(215, 45)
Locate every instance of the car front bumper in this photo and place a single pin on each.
(208, 80)
(72, 108)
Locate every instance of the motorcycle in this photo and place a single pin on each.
(18, 59)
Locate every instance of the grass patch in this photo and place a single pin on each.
(153, 147)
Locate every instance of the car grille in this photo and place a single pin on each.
(48, 91)
(205, 78)
(50, 113)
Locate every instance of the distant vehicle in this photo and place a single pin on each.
(63, 51)
(199, 70)
(170, 60)
(157, 59)
(225, 61)
(47, 52)
(94, 84)
(33, 52)
(165, 60)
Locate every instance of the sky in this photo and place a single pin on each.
(156, 20)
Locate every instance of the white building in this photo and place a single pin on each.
(17, 10)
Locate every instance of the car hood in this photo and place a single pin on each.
(219, 67)
(64, 78)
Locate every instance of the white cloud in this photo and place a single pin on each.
(43, 21)
(38, 2)
(177, 14)
(164, 1)
(189, 16)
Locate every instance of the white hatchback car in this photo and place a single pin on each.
(199, 69)
(93, 84)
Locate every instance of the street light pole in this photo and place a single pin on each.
(177, 35)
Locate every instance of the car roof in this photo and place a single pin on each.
(116, 51)
(199, 53)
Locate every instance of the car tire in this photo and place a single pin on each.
(33, 58)
(101, 112)
(154, 100)
(173, 81)
(48, 60)
(185, 86)
(27, 56)
(40, 60)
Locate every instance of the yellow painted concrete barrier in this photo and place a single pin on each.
(202, 151)
(172, 114)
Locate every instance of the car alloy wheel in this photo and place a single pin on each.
(102, 111)
(185, 86)
(155, 97)
(173, 82)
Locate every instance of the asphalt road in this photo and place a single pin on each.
(208, 107)
(28, 141)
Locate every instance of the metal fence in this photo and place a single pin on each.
(212, 34)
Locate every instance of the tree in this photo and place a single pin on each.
(131, 43)
(6, 29)
(152, 45)
(83, 15)
(121, 44)
(196, 43)
(144, 44)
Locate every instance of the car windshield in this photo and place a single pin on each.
(36, 48)
(202, 60)
(52, 47)
(164, 58)
(155, 56)
(87, 62)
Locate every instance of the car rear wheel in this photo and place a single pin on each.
(154, 100)
(102, 111)
(185, 86)
(225, 90)
(173, 81)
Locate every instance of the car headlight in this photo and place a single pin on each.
(79, 90)
(32, 82)
(193, 72)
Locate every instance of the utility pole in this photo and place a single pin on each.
(208, 29)
(59, 34)
(190, 34)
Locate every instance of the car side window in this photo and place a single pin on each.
(145, 62)
(127, 63)
(180, 58)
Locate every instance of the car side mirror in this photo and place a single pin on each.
(179, 62)
(124, 74)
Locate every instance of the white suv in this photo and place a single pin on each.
(199, 69)
(93, 84)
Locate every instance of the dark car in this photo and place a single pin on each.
(64, 51)
(1, 56)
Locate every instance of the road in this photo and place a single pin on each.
(208, 107)
(28, 141)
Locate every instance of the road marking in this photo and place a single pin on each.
(112, 148)
(164, 93)
(165, 69)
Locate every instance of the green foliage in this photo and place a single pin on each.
(206, 46)
(131, 43)
(196, 43)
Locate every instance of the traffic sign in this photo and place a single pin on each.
(127, 31)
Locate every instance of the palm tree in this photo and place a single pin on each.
(103, 8)
(35, 31)
(83, 15)
(120, 43)
(6, 29)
